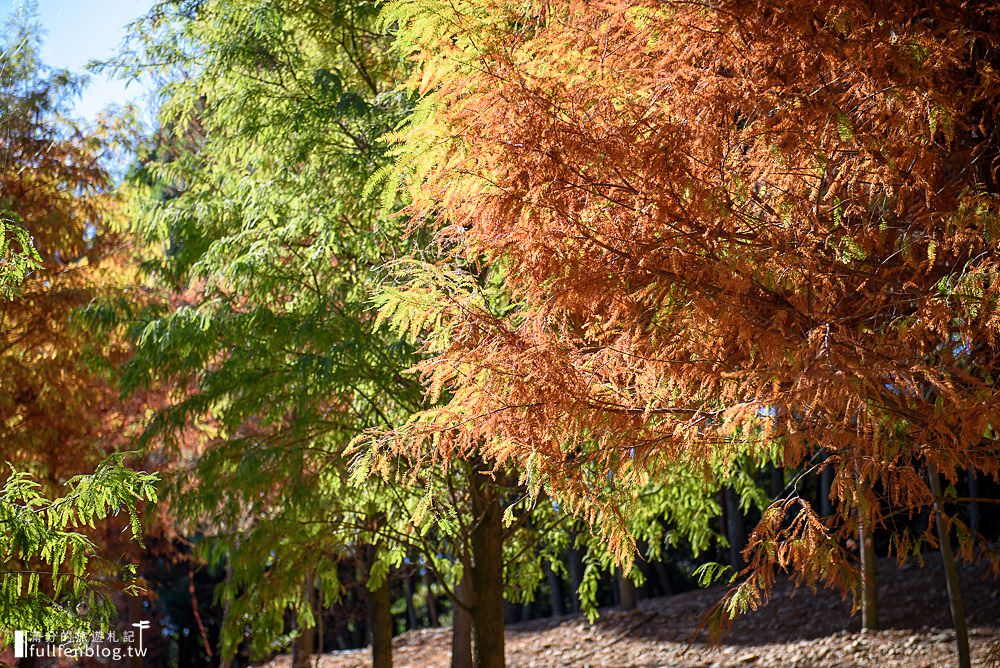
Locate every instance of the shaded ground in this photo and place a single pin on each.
(798, 628)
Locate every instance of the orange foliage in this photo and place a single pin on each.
(60, 413)
(725, 223)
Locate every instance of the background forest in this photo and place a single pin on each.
(412, 314)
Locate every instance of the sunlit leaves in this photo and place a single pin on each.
(713, 248)
(17, 256)
(51, 572)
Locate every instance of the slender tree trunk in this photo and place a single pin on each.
(320, 630)
(645, 567)
(664, 577)
(950, 573)
(525, 610)
(432, 604)
(777, 481)
(361, 637)
(411, 611)
(486, 538)
(735, 531)
(512, 612)
(555, 591)
(627, 599)
(461, 625)
(380, 612)
(340, 632)
(225, 661)
(869, 582)
(575, 563)
(305, 643)
(973, 505)
(825, 483)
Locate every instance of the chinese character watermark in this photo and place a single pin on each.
(99, 645)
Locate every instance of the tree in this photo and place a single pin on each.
(721, 225)
(59, 413)
(263, 252)
(266, 254)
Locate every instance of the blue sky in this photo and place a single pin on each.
(78, 31)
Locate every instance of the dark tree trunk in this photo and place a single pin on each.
(411, 611)
(555, 591)
(950, 573)
(380, 612)
(486, 538)
(432, 604)
(825, 483)
(461, 626)
(869, 582)
(305, 643)
(340, 631)
(360, 635)
(627, 599)
(663, 576)
(511, 612)
(226, 661)
(735, 531)
(575, 567)
(973, 505)
(320, 630)
(525, 610)
(777, 482)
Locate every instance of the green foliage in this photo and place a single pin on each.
(711, 572)
(266, 254)
(18, 257)
(52, 577)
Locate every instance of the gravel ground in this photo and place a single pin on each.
(798, 628)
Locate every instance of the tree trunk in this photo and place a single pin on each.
(575, 563)
(950, 574)
(626, 591)
(825, 483)
(511, 612)
(305, 644)
(555, 591)
(777, 482)
(341, 632)
(487, 572)
(461, 624)
(664, 577)
(380, 612)
(225, 661)
(411, 611)
(735, 531)
(869, 583)
(973, 505)
(360, 635)
(525, 610)
(320, 630)
(432, 604)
